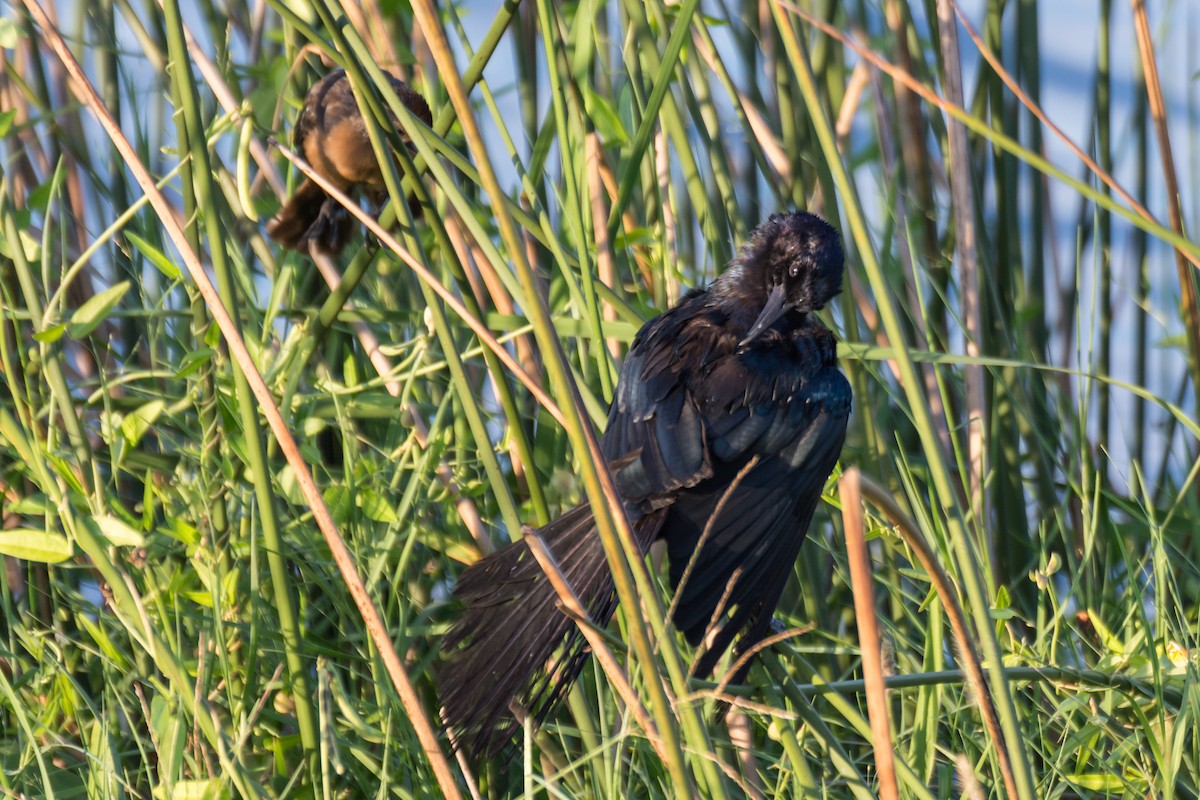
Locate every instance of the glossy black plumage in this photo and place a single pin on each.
(738, 375)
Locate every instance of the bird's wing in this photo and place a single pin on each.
(737, 539)
(702, 411)
(302, 129)
(306, 122)
(691, 413)
(655, 438)
(688, 401)
(324, 105)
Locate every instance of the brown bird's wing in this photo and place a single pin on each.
(307, 214)
(316, 101)
(413, 99)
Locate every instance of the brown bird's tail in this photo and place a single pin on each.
(310, 215)
(499, 651)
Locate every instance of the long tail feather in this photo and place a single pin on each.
(500, 649)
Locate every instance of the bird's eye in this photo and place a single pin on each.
(794, 271)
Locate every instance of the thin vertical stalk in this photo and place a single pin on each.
(968, 265)
(1139, 247)
(1030, 64)
(60, 391)
(913, 133)
(1037, 330)
(1009, 543)
(727, 219)
(1158, 110)
(1103, 241)
(850, 492)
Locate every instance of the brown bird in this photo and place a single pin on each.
(332, 137)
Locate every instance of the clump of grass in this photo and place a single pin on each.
(179, 618)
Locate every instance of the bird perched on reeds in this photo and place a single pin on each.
(332, 137)
(738, 377)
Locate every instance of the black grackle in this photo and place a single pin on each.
(739, 376)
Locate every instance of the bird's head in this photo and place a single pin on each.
(792, 262)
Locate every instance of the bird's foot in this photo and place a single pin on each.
(330, 229)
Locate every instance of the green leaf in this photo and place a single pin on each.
(136, 423)
(206, 789)
(65, 470)
(172, 731)
(51, 333)
(212, 337)
(12, 433)
(118, 533)
(94, 311)
(375, 507)
(635, 236)
(102, 640)
(30, 545)
(29, 246)
(155, 256)
(1097, 782)
(194, 361)
(32, 505)
(181, 531)
(289, 486)
(9, 38)
(461, 550)
(607, 121)
(202, 599)
(6, 117)
(339, 502)
(39, 198)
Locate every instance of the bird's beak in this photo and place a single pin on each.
(772, 310)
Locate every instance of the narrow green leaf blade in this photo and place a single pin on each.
(89, 316)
